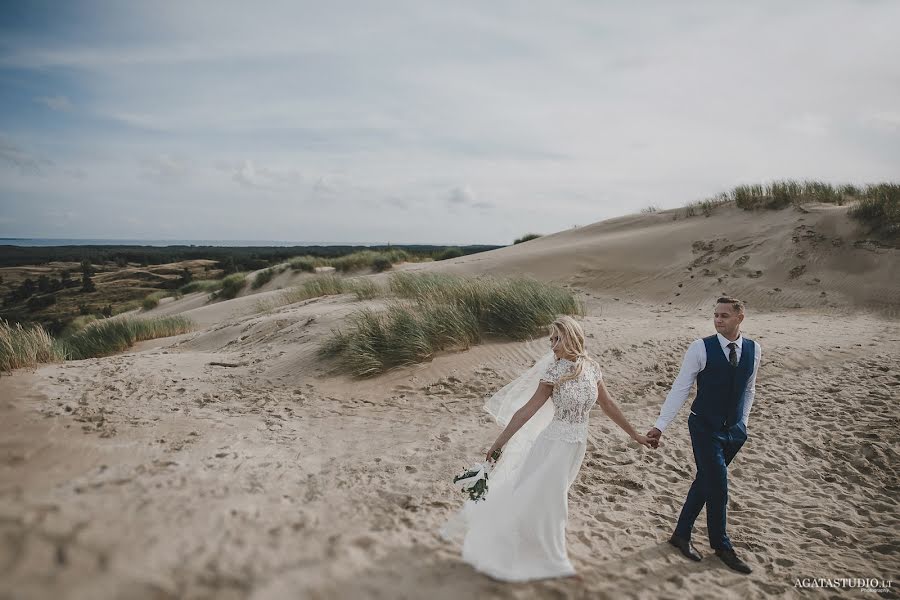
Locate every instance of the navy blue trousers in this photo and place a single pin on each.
(714, 449)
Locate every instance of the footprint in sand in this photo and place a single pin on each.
(797, 271)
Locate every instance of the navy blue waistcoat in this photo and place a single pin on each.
(721, 387)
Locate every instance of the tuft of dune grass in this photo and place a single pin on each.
(109, 336)
(26, 346)
(879, 209)
(30, 345)
(262, 278)
(231, 286)
(435, 312)
(323, 285)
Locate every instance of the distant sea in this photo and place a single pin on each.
(227, 243)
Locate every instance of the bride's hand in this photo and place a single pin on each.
(494, 448)
(643, 440)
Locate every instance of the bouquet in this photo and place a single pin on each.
(474, 480)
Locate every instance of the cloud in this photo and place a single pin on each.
(25, 162)
(885, 121)
(399, 203)
(460, 195)
(464, 197)
(248, 174)
(810, 124)
(165, 169)
(58, 103)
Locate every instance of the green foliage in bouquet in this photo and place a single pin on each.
(477, 491)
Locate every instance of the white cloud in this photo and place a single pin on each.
(60, 103)
(886, 121)
(460, 196)
(25, 162)
(165, 169)
(809, 124)
(248, 174)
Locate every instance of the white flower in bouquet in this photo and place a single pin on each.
(474, 480)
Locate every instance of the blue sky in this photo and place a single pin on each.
(426, 122)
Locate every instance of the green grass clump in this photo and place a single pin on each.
(781, 194)
(378, 261)
(127, 306)
(323, 285)
(368, 259)
(201, 285)
(262, 278)
(26, 346)
(231, 286)
(777, 195)
(109, 336)
(306, 264)
(527, 237)
(707, 206)
(875, 205)
(448, 253)
(77, 324)
(152, 300)
(381, 264)
(364, 288)
(880, 209)
(442, 312)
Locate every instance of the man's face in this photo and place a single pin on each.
(727, 320)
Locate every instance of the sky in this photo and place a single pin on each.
(464, 122)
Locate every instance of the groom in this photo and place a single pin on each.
(724, 366)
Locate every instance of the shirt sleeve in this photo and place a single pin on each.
(694, 362)
(750, 393)
(551, 375)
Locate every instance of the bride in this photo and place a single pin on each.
(517, 533)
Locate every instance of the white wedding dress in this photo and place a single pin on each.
(518, 532)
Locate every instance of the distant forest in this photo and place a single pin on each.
(232, 258)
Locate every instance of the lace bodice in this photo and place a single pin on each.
(572, 400)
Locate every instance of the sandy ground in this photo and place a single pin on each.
(230, 463)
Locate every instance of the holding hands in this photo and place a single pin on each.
(644, 440)
(654, 435)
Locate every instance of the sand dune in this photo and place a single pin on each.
(230, 463)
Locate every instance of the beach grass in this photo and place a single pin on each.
(262, 278)
(201, 285)
(872, 204)
(434, 312)
(151, 301)
(31, 345)
(109, 336)
(26, 346)
(879, 209)
(526, 238)
(323, 285)
(231, 286)
(376, 260)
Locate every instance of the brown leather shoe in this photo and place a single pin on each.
(685, 546)
(733, 562)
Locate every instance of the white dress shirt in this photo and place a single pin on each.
(694, 362)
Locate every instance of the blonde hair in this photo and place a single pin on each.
(570, 337)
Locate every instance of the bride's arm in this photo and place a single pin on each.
(543, 391)
(612, 411)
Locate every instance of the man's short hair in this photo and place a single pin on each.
(736, 304)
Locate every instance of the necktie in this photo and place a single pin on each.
(732, 354)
